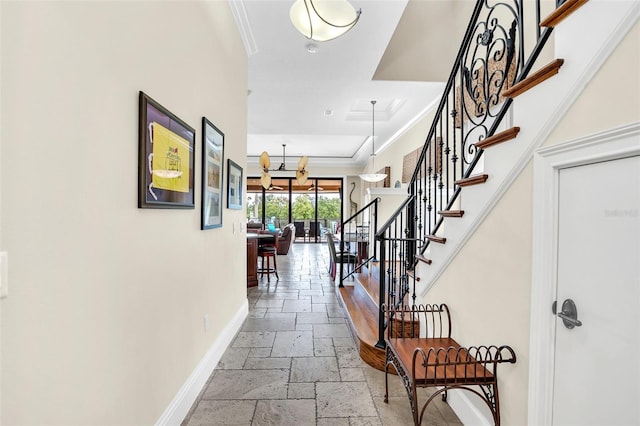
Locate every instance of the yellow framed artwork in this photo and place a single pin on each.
(165, 158)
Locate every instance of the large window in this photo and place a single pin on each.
(314, 208)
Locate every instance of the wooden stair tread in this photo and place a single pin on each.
(451, 213)
(472, 180)
(436, 239)
(362, 317)
(534, 79)
(423, 259)
(558, 15)
(363, 314)
(503, 136)
(369, 282)
(360, 304)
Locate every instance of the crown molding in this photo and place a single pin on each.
(239, 13)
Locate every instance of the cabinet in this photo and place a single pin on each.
(252, 261)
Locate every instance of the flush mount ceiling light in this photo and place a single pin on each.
(323, 20)
(373, 177)
(301, 172)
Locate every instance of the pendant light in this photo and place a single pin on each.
(373, 177)
(323, 20)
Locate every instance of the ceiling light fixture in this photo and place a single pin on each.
(323, 20)
(301, 172)
(373, 177)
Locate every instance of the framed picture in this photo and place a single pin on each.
(212, 173)
(165, 158)
(234, 186)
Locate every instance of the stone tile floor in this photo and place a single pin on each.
(294, 361)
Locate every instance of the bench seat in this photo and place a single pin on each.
(440, 370)
(434, 359)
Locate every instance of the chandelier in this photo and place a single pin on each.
(301, 172)
(323, 20)
(373, 177)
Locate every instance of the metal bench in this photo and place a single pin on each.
(420, 348)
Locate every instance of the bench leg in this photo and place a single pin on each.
(386, 381)
(491, 396)
(414, 404)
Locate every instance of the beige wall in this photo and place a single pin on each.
(611, 98)
(393, 155)
(104, 319)
(488, 285)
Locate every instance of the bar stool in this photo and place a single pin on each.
(268, 252)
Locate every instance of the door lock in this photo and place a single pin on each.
(569, 313)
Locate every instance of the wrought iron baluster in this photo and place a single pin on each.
(491, 57)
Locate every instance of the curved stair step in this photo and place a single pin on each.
(362, 317)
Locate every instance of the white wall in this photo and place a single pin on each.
(488, 284)
(104, 320)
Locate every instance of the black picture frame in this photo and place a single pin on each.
(212, 175)
(234, 185)
(166, 158)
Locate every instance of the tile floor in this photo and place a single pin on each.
(294, 361)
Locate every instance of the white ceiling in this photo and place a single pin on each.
(319, 104)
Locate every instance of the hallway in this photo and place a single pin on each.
(294, 361)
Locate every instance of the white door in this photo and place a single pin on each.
(596, 372)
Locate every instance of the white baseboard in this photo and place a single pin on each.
(468, 413)
(186, 396)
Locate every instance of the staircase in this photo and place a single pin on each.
(493, 67)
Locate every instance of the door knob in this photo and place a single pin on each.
(569, 314)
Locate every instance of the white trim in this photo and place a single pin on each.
(616, 143)
(618, 33)
(409, 125)
(239, 13)
(466, 410)
(179, 407)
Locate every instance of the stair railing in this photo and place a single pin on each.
(493, 56)
(357, 237)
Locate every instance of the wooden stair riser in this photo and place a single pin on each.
(402, 330)
(534, 79)
(503, 136)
